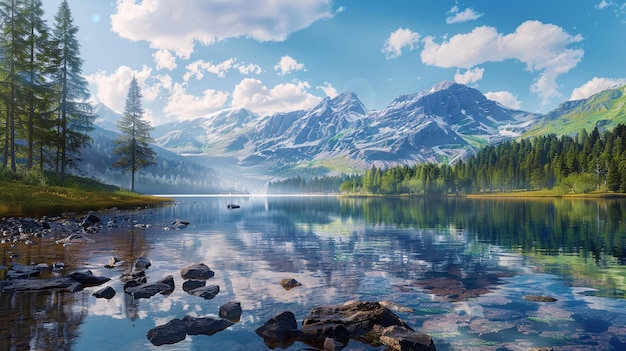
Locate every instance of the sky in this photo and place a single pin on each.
(195, 57)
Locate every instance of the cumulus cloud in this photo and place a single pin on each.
(328, 89)
(249, 69)
(505, 98)
(288, 64)
(542, 47)
(457, 16)
(398, 40)
(470, 76)
(252, 94)
(595, 86)
(164, 59)
(178, 25)
(197, 69)
(111, 89)
(183, 105)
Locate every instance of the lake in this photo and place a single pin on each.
(462, 265)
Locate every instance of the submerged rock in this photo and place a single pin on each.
(205, 325)
(279, 331)
(63, 283)
(206, 292)
(106, 293)
(231, 311)
(191, 284)
(197, 271)
(540, 298)
(400, 338)
(142, 263)
(87, 278)
(289, 283)
(170, 333)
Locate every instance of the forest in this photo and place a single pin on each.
(563, 164)
(43, 96)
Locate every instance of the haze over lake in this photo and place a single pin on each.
(462, 265)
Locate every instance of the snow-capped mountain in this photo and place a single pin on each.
(443, 123)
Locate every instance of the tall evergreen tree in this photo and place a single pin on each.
(132, 144)
(75, 115)
(14, 53)
(38, 91)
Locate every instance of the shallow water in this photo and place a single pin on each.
(462, 265)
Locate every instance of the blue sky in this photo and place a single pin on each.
(195, 57)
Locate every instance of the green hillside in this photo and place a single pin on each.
(604, 110)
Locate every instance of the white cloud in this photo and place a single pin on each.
(603, 4)
(470, 76)
(340, 9)
(287, 65)
(398, 40)
(164, 59)
(595, 86)
(328, 89)
(249, 69)
(505, 98)
(178, 25)
(542, 47)
(252, 94)
(111, 89)
(186, 106)
(462, 16)
(197, 69)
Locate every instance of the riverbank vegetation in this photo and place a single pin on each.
(35, 193)
(549, 165)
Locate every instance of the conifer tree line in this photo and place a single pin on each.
(44, 113)
(567, 164)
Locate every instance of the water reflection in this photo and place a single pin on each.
(461, 264)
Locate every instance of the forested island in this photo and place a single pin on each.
(562, 165)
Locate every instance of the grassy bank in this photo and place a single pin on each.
(18, 198)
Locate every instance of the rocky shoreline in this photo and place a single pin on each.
(325, 328)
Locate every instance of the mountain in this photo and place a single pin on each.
(443, 123)
(603, 110)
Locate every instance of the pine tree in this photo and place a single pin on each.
(14, 53)
(75, 114)
(132, 144)
(38, 91)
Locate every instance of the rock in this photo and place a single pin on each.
(191, 284)
(168, 280)
(331, 344)
(90, 221)
(142, 263)
(540, 298)
(64, 283)
(137, 276)
(289, 283)
(231, 311)
(88, 279)
(170, 333)
(279, 330)
(360, 318)
(316, 335)
(113, 262)
(197, 271)
(145, 291)
(206, 292)
(178, 224)
(74, 238)
(20, 271)
(403, 339)
(106, 293)
(205, 325)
